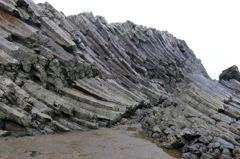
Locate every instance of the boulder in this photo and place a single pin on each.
(10, 8)
(14, 115)
(4, 133)
(230, 73)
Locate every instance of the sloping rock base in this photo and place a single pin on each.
(200, 117)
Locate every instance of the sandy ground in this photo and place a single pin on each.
(120, 142)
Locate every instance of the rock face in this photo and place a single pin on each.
(61, 73)
(200, 117)
(230, 73)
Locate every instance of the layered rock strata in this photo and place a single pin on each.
(61, 73)
(200, 117)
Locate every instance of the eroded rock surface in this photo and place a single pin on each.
(61, 73)
(200, 117)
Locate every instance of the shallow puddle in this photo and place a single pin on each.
(176, 153)
(131, 129)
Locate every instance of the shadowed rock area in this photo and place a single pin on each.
(60, 74)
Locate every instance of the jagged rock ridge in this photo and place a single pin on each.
(58, 72)
(61, 73)
(200, 117)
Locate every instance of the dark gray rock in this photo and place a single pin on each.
(216, 153)
(226, 152)
(4, 133)
(193, 148)
(189, 156)
(236, 150)
(156, 135)
(223, 156)
(186, 155)
(224, 143)
(203, 139)
(203, 149)
(34, 153)
(33, 132)
(230, 73)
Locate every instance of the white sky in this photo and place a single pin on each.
(211, 28)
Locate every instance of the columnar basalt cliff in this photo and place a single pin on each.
(61, 73)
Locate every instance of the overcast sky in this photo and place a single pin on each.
(211, 28)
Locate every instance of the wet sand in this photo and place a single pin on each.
(120, 142)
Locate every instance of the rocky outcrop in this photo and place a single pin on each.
(230, 73)
(200, 117)
(61, 73)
